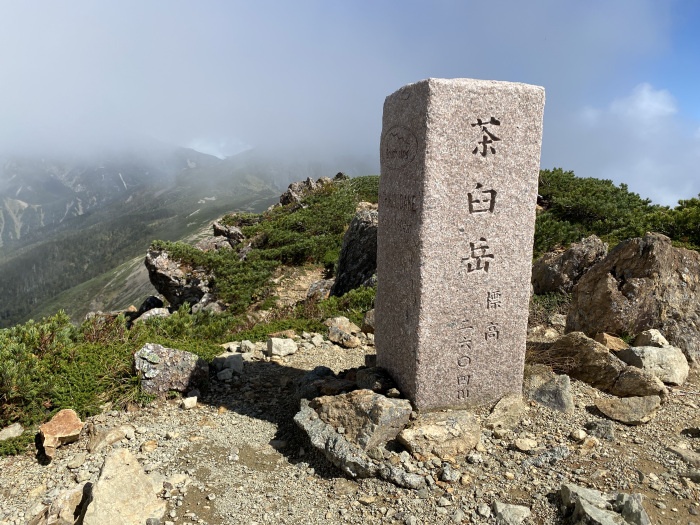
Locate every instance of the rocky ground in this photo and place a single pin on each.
(237, 457)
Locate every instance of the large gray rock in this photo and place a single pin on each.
(643, 283)
(232, 234)
(177, 282)
(358, 255)
(347, 456)
(369, 420)
(123, 494)
(548, 389)
(667, 363)
(281, 347)
(559, 272)
(589, 506)
(163, 369)
(508, 514)
(445, 435)
(630, 410)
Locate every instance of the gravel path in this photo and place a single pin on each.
(238, 458)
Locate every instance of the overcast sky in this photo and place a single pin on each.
(622, 77)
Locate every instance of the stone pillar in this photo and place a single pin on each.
(457, 194)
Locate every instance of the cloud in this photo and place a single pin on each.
(645, 104)
(640, 140)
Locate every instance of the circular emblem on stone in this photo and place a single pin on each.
(399, 147)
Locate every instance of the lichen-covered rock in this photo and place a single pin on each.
(358, 255)
(163, 369)
(643, 283)
(559, 272)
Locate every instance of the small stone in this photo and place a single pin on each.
(630, 410)
(63, 428)
(466, 479)
(694, 510)
(13, 431)
(189, 402)
(77, 460)
(149, 446)
(411, 520)
(444, 502)
(509, 475)
(483, 510)
(525, 444)
(458, 516)
(578, 435)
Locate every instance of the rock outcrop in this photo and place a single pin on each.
(178, 283)
(643, 283)
(296, 191)
(358, 255)
(559, 272)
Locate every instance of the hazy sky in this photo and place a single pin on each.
(622, 77)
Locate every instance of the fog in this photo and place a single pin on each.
(309, 78)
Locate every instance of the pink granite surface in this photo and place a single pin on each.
(458, 188)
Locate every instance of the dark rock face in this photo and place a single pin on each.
(177, 283)
(358, 255)
(559, 272)
(643, 283)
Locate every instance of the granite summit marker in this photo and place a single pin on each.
(457, 194)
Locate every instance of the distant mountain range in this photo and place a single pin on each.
(66, 221)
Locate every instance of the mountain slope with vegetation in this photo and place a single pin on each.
(53, 364)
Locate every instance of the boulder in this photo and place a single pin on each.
(296, 191)
(508, 514)
(63, 428)
(548, 389)
(634, 381)
(320, 290)
(667, 363)
(559, 272)
(123, 494)
(650, 338)
(175, 281)
(347, 456)
(586, 360)
(105, 438)
(507, 413)
(610, 342)
(445, 435)
(589, 361)
(13, 431)
(343, 332)
(213, 244)
(630, 410)
(153, 312)
(368, 322)
(584, 505)
(643, 283)
(358, 254)
(280, 347)
(368, 419)
(163, 369)
(232, 234)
